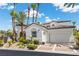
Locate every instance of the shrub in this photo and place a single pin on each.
(10, 42)
(1, 42)
(28, 41)
(77, 37)
(36, 42)
(77, 40)
(21, 46)
(31, 46)
(22, 39)
(20, 43)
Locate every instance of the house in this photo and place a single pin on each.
(51, 32)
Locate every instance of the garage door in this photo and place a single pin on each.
(58, 36)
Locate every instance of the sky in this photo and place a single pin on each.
(47, 13)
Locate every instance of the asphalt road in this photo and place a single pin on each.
(29, 53)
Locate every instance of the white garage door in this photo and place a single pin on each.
(60, 35)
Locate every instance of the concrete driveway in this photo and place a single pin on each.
(56, 48)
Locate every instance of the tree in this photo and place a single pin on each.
(37, 12)
(28, 12)
(74, 23)
(33, 7)
(20, 20)
(13, 14)
(70, 4)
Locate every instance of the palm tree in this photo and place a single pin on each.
(33, 7)
(37, 12)
(28, 12)
(13, 14)
(70, 4)
(74, 23)
(20, 21)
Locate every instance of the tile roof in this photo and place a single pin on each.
(57, 21)
(47, 25)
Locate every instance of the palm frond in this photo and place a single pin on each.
(70, 4)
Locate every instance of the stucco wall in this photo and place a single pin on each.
(39, 30)
(53, 35)
(61, 35)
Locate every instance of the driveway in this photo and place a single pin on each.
(57, 48)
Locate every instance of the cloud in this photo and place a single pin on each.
(3, 4)
(31, 13)
(10, 7)
(6, 6)
(47, 19)
(65, 9)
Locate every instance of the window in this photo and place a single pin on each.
(34, 33)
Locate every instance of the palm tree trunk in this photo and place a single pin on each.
(33, 16)
(37, 12)
(22, 30)
(14, 31)
(14, 25)
(28, 13)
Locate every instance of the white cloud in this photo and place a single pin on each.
(10, 7)
(31, 13)
(58, 18)
(3, 4)
(6, 6)
(65, 9)
(47, 19)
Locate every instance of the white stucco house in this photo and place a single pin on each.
(51, 32)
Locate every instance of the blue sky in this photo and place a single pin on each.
(47, 12)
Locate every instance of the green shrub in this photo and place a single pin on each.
(77, 40)
(21, 46)
(77, 37)
(31, 46)
(36, 42)
(22, 39)
(1, 42)
(10, 42)
(28, 41)
(20, 43)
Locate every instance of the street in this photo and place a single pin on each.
(29, 53)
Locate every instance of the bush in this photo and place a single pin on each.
(21, 46)
(77, 40)
(36, 42)
(28, 41)
(31, 46)
(11, 42)
(77, 37)
(1, 42)
(20, 43)
(22, 39)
